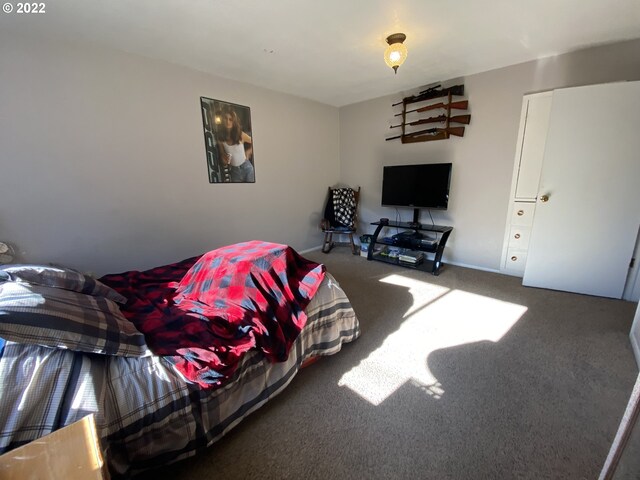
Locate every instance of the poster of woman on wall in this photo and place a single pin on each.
(228, 140)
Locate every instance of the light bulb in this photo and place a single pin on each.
(396, 53)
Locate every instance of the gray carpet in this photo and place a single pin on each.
(467, 375)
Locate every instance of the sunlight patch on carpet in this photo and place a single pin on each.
(439, 318)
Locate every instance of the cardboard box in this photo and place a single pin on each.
(71, 453)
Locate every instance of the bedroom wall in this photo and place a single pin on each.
(483, 158)
(102, 160)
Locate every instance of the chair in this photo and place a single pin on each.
(340, 216)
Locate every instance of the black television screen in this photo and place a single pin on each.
(418, 186)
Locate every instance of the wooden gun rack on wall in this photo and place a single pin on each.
(434, 133)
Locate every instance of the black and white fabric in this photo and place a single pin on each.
(60, 318)
(344, 206)
(59, 277)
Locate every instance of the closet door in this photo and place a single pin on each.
(588, 206)
(532, 148)
(532, 135)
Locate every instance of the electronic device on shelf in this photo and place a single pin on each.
(413, 239)
(411, 256)
(417, 186)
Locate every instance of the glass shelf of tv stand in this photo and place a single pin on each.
(437, 248)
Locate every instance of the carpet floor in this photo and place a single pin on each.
(468, 375)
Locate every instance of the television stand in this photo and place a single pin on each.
(416, 216)
(414, 242)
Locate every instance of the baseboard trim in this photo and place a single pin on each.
(474, 267)
(444, 261)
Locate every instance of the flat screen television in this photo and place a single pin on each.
(417, 186)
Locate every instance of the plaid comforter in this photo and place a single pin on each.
(229, 301)
(146, 414)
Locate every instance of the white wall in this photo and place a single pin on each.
(483, 158)
(102, 161)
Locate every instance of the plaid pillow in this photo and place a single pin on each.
(60, 318)
(59, 277)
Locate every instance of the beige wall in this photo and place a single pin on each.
(102, 163)
(483, 159)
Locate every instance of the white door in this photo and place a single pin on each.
(531, 151)
(584, 235)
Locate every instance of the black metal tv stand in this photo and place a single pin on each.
(411, 242)
(415, 223)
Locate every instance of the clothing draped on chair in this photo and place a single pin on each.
(343, 202)
(340, 216)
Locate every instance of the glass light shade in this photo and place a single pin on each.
(395, 55)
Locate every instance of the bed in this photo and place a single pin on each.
(151, 405)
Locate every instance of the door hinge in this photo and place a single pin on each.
(632, 263)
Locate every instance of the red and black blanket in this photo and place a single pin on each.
(206, 312)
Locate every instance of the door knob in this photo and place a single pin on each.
(544, 198)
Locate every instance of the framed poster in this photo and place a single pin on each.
(228, 141)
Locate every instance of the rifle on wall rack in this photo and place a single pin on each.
(465, 119)
(456, 131)
(429, 94)
(430, 89)
(445, 117)
(461, 105)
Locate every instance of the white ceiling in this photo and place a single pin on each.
(331, 50)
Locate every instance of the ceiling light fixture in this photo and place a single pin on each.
(396, 52)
